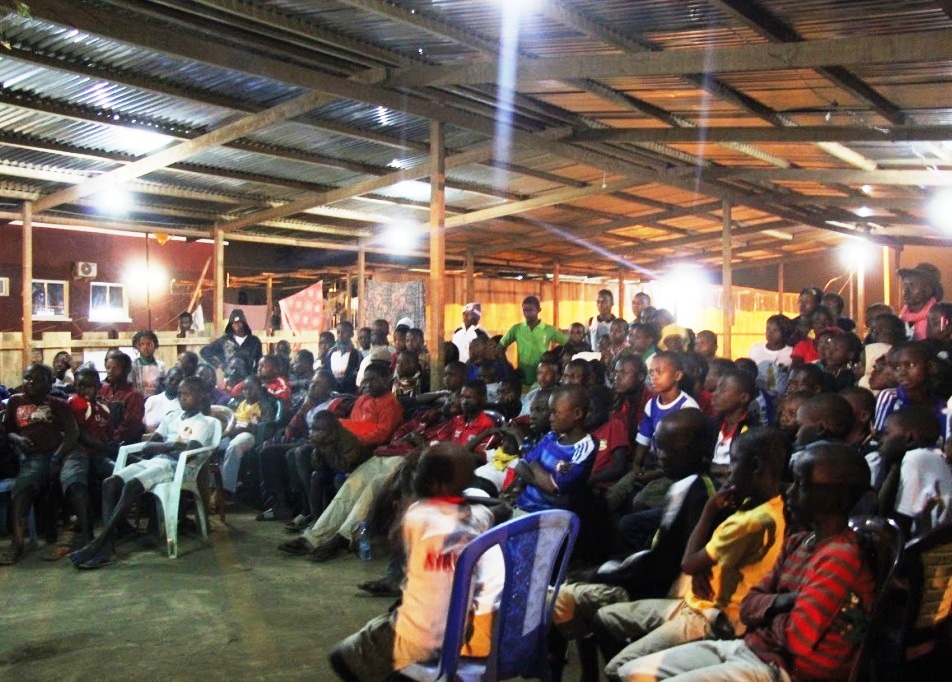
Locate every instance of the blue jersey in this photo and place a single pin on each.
(891, 399)
(655, 411)
(576, 462)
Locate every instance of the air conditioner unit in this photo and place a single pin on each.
(4, 286)
(84, 269)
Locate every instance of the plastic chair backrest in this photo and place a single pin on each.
(536, 550)
(882, 541)
(928, 568)
(216, 432)
(226, 416)
(266, 429)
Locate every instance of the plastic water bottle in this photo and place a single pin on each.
(363, 542)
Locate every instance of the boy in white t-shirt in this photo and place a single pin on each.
(435, 529)
(161, 404)
(916, 481)
(184, 429)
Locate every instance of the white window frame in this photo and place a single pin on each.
(46, 313)
(109, 314)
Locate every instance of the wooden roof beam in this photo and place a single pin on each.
(645, 245)
(170, 155)
(924, 178)
(765, 23)
(924, 46)
(802, 134)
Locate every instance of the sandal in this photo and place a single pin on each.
(297, 546)
(58, 552)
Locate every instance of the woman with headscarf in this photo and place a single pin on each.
(921, 288)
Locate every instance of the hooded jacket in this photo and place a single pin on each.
(250, 349)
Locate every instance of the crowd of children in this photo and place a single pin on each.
(676, 461)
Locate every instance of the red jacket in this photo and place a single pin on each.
(127, 407)
(373, 420)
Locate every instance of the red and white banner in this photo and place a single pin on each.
(304, 311)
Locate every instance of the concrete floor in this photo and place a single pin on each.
(236, 609)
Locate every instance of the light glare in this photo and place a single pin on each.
(857, 254)
(400, 239)
(681, 287)
(114, 201)
(939, 210)
(156, 278)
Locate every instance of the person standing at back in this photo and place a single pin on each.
(237, 339)
(532, 338)
(921, 289)
(599, 325)
(639, 304)
(464, 335)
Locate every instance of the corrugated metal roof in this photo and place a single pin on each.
(76, 100)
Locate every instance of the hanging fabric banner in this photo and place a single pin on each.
(304, 311)
(394, 301)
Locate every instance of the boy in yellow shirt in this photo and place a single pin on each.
(724, 560)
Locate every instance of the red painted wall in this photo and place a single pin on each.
(119, 259)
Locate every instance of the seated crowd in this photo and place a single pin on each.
(713, 493)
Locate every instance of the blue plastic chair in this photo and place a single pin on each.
(536, 550)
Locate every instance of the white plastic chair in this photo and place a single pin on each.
(190, 463)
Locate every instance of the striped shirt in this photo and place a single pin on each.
(834, 591)
(890, 400)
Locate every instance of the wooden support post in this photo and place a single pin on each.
(621, 302)
(556, 292)
(887, 274)
(348, 313)
(780, 305)
(27, 275)
(470, 277)
(148, 282)
(269, 300)
(437, 293)
(726, 277)
(860, 292)
(361, 286)
(218, 314)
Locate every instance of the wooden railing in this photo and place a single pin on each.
(51, 343)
